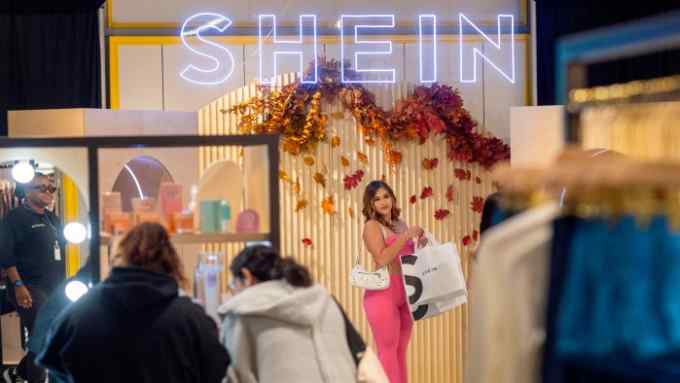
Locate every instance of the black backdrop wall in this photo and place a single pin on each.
(558, 18)
(49, 55)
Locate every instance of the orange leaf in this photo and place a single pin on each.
(362, 157)
(301, 204)
(350, 211)
(369, 141)
(344, 161)
(296, 187)
(394, 157)
(328, 205)
(283, 176)
(430, 163)
(335, 141)
(309, 161)
(320, 179)
(307, 242)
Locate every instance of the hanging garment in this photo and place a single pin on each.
(612, 310)
(508, 285)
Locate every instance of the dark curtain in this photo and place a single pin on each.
(559, 18)
(49, 55)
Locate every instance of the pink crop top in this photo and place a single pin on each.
(407, 249)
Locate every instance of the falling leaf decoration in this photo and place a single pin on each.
(350, 211)
(307, 242)
(450, 193)
(283, 176)
(462, 174)
(362, 157)
(301, 204)
(477, 204)
(344, 161)
(369, 141)
(328, 205)
(441, 214)
(466, 240)
(427, 192)
(413, 199)
(478, 180)
(335, 141)
(320, 179)
(296, 187)
(475, 235)
(351, 181)
(383, 178)
(430, 163)
(394, 157)
(309, 161)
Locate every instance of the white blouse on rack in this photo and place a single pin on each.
(508, 296)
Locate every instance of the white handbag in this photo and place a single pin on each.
(369, 280)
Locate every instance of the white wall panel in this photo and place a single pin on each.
(499, 93)
(182, 95)
(286, 63)
(141, 77)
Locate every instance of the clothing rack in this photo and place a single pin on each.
(576, 53)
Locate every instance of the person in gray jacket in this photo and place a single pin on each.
(280, 327)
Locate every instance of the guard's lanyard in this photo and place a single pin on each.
(44, 218)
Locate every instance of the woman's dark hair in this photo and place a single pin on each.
(148, 246)
(369, 208)
(266, 264)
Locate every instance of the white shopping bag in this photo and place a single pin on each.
(433, 279)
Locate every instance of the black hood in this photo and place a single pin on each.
(134, 290)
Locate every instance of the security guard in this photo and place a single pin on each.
(32, 254)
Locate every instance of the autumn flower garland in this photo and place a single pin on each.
(295, 112)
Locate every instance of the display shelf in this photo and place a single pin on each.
(200, 238)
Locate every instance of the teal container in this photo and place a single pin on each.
(224, 216)
(209, 216)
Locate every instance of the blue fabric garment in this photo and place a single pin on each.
(613, 307)
(668, 277)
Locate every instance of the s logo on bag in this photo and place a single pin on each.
(417, 284)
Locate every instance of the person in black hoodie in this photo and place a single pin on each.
(134, 326)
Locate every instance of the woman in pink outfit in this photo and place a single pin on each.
(387, 239)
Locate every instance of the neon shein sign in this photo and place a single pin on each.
(355, 48)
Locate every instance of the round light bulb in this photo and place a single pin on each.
(75, 232)
(23, 172)
(75, 289)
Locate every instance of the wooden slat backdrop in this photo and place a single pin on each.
(436, 352)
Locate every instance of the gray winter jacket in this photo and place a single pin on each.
(276, 333)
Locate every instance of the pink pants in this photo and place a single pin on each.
(388, 315)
